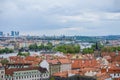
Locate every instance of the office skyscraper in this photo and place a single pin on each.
(1, 33)
(14, 33)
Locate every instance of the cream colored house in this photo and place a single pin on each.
(65, 64)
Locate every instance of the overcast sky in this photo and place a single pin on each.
(61, 17)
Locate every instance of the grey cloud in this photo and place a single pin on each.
(28, 15)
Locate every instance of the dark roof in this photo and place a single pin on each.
(114, 70)
(18, 64)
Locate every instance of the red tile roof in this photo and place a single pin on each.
(65, 73)
(116, 78)
(81, 63)
(53, 61)
(64, 61)
(29, 59)
(102, 76)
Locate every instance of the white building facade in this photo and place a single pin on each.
(27, 74)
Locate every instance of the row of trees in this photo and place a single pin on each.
(68, 48)
(6, 50)
(35, 47)
(4, 61)
(23, 54)
(110, 49)
(100, 48)
(91, 50)
(88, 51)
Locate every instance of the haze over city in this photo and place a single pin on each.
(61, 17)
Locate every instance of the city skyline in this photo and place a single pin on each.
(61, 17)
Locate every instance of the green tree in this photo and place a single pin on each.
(23, 54)
(99, 46)
(1, 51)
(87, 51)
(41, 47)
(118, 48)
(77, 48)
(4, 61)
(6, 50)
(68, 48)
(49, 45)
(33, 47)
(19, 54)
(110, 49)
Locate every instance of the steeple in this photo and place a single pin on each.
(96, 46)
(97, 52)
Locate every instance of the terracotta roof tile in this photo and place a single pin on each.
(53, 61)
(80, 63)
(64, 61)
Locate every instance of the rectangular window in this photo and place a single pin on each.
(2, 72)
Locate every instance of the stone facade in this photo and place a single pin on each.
(54, 68)
(65, 67)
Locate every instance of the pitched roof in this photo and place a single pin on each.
(102, 76)
(64, 61)
(80, 63)
(53, 61)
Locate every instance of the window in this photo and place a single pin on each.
(16, 77)
(2, 76)
(19, 77)
(22, 77)
(2, 72)
(114, 74)
(37, 75)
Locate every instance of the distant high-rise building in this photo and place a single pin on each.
(1, 33)
(8, 34)
(17, 33)
(14, 33)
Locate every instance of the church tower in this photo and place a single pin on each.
(97, 51)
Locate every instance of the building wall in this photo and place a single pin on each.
(28, 75)
(54, 68)
(2, 74)
(65, 67)
(109, 79)
(90, 73)
(115, 75)
(45, 64)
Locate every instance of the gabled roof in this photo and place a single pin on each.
(64, 61)
(80, 63)
(53, 61)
